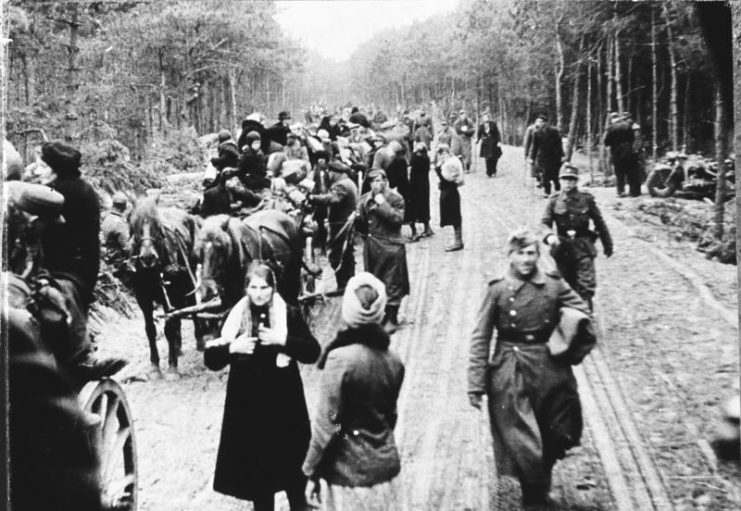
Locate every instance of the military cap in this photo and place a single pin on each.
(119, 199)
(568, 171)
(374, 173)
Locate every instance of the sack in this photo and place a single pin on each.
(573, 338)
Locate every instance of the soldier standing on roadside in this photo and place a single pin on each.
(572, 244)
(533, 401)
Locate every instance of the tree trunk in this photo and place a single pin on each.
(72, 71)
(559, 77)
(163, 111)
(654, 90)
(618, 76)
(589, 120)
(233, 100)
(575, 102)
(673, 109)
(720, 155)
(686, 115)
(605, 164)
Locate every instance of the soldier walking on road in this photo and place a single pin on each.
(547, 154)
(465, 129)
(572, 244)
(620, 138)
(533, 401)
(380, 217)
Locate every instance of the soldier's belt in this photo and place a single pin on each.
(524, 338)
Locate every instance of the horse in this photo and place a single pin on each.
(162, 240)
(226, 246)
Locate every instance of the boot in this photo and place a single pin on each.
(458, 241)
(428, 231)
(391, 320)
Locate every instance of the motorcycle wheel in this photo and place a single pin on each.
(658, 183)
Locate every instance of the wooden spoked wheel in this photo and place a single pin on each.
(114, 441)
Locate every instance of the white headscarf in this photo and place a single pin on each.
(353, 312)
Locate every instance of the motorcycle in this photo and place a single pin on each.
(690, 177)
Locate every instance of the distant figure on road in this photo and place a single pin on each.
(419, 184)
(380, 217)
(528, 144)
(620, 138)
(547, 154)
(352, 444)
(532, 397)
(573, 243)
(265, 432)
(450, 172)
(491, 151)
(464, 128)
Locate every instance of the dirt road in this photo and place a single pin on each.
(668, 356)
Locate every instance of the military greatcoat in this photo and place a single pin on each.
(533, 401)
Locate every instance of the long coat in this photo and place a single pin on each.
(533, 402)
(265, 431)
(356, 412)
(74, 247)
(489, 140)
(547, 149)
(399, 179)
(419, 184)
(450, 200)
(384, 252)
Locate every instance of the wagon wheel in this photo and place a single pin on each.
(115, 443)
(660, 182)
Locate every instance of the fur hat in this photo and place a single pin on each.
(354, 314)
(63, 159)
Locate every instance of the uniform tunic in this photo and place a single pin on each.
(571, 212)
(533, 401)
(384, 253)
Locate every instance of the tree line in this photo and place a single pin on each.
(136, 71)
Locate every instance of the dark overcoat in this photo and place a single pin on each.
(489, 141)
(384, 253)
(265, 432)
(74, 246)
(533, 401)
(399, 180)
(450, 202)
(419, 183)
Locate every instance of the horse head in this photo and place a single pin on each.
(147, 234)
(214, 248)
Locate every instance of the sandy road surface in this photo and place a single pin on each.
(669, 356)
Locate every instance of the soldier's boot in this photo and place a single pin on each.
(457, 241)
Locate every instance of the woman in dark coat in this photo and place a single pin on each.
(251, 168)
(450, 172)
(488, 135)
(398, 179)
(330, 125)
(419, 184)
(265, 433)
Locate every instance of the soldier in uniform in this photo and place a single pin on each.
(572, 244)
(341, 200)
(532, 396)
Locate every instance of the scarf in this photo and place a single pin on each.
(239, 321)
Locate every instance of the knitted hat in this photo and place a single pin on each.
(353, 312)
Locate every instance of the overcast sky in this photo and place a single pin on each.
(335, 28)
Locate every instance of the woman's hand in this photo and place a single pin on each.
(269, 337)
(243, 344)
(313, 494)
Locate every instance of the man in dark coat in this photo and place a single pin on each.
(419, 187)
(72, 247)
(488, 135)
(532, 397)
(380, 217)
(358, 118)
(279, 131)
(216, 199)
(398, 178)
(573, 242)
(341, 200)
(547, 154)
(620, 138)
(250, 124)
(228, 152)
(528, 144)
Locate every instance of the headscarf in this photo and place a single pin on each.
(353, 312)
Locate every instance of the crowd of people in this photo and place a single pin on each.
(350, 174)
